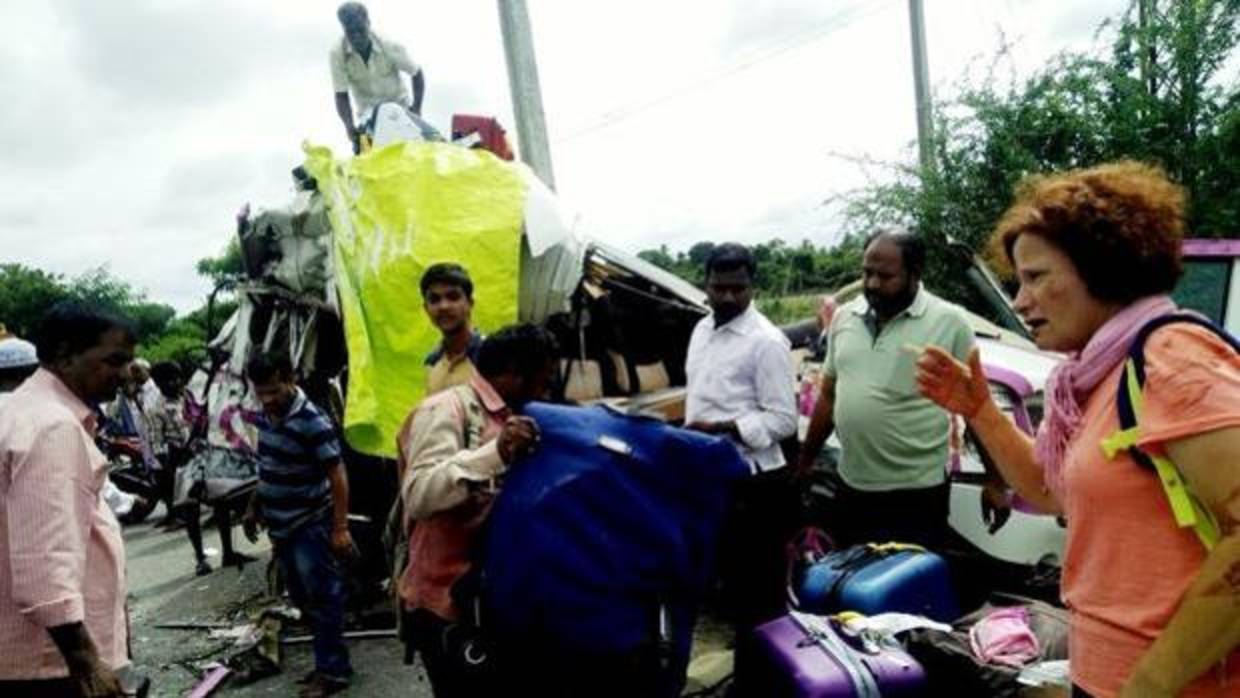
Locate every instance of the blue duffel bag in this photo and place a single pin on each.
(878, 578)
(604, 537)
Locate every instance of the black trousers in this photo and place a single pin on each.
(906, 516)
(440, 643)
(753, 562)
(428, 632)
(43, 688)
(133, 683)
(528, 666)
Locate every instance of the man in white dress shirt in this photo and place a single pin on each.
(740, 385)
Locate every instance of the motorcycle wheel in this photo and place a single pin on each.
(141, 509)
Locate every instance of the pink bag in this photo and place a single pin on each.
(1004, 637)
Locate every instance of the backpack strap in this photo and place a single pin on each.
(1189, 512)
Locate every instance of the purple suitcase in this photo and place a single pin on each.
(806, 656)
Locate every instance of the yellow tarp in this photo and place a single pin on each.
(394, 212)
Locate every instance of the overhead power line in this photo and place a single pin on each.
(762, 54)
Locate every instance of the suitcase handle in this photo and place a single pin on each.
(850, 563)
(808, 546)
(853, 559)
(822, 631)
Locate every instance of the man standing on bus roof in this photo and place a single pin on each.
(368, 68)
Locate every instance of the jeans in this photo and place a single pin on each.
(316, 586)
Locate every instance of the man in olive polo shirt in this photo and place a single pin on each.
(894, 442)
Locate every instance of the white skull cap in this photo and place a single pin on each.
(17, 353)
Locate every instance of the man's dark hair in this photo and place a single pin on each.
(165, 373)
(351, 10)
(520, 349)
(912, 247)
(266, 366)
(731, 256)
(71, 328)
(448, 274)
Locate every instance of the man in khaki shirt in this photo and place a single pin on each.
(448, 297)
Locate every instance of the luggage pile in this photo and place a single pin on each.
(883, 620)
(600, 549)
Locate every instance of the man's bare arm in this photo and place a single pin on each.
(345, 110)
(821, 424)
(93, 677)
(419, 91)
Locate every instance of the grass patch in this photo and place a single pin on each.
(789, 309)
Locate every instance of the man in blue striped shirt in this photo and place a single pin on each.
(303, 496)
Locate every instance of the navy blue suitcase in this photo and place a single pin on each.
(605, 535)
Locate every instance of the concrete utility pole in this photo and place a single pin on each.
(921, 85)
(1149, 53)
(532, 142)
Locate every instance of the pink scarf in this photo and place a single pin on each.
(1074, 380)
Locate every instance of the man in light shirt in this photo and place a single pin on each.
(63, 629)
(368, 68)
(894, 442)
(18, 361)
(740, 385)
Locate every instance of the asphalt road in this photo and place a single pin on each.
(164, 589)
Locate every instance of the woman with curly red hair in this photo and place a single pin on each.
(1096, 251)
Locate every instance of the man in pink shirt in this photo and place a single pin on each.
(63, 627)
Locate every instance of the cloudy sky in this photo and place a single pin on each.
(134, 129)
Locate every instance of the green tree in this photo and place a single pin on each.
(782, 269)
(187, 337)
(661, 257)
(27, 294)
(99, 287)
(228, 266)
(1151, 91)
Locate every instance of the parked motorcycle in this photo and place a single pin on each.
(131, 475)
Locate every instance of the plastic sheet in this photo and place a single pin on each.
(395, 211)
